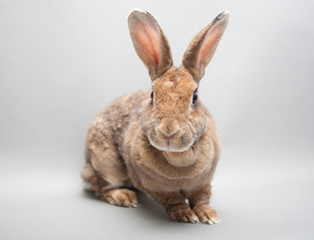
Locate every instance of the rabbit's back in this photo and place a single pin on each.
(112, 122)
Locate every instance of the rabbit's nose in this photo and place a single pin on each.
(168, 128)
(168, 136)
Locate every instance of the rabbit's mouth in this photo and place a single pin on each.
(171, 138)
(169, 148)
(171, 145)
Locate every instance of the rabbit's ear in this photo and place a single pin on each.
(150, 43)
(203, 46)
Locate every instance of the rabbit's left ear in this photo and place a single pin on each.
(150, 43)
(203, 46)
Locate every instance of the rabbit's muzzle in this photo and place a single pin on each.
(168, 128)
(170, 136)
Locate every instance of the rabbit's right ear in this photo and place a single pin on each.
(150, 43)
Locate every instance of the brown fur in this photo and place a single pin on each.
(167, 147)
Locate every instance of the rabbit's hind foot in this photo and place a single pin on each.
(121, 197)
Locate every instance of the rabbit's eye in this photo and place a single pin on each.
(152, 95)
(194, 96)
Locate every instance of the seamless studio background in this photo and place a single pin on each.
(61, 62)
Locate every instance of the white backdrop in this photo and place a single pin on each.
(63, 61)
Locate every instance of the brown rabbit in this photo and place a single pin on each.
(163, 142)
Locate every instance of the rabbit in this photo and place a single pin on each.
(163, 141)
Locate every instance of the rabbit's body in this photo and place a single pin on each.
(164, 142)
(104, 142)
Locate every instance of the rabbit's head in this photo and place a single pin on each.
(175, 119)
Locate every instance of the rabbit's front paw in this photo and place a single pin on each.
(185, 215)
(206, 214)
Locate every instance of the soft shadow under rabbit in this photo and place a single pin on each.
(163, 142)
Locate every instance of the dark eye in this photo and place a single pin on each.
(152, 95)
(194, 96)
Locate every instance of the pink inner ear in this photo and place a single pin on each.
(210, 45)
(148, 41)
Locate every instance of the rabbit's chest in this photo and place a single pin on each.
(146, 176)
(159, 183)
